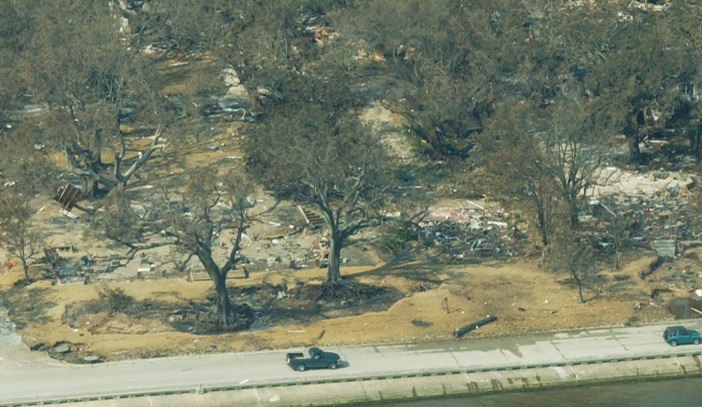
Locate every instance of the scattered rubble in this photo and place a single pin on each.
(651, 207)
(467, 234)
(235, 102)
(66, 266)
(614, 181)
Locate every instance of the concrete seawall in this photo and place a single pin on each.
(365, 390)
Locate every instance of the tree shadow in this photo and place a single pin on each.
(590, 291)
(27, 305)
(409, 266)
(275, 306)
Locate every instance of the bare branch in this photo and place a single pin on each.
(144, 156)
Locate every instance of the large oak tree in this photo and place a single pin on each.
(193, 219)
(443, 64)
(77, 66)
(634, 70)
(330, 162)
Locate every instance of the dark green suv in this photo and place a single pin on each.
(675, 335)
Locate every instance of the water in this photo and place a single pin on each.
(663, 393)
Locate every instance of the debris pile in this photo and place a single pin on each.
(652, 211)
(66, 266)
(469, 234)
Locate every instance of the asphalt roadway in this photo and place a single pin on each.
(41, 378)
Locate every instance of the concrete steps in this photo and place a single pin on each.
(312, 218)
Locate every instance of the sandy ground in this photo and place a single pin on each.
(437, 299)
(523, 297)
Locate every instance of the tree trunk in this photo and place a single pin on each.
(22, 254)
(225, 311)
(631, 132)
(25, 267)
(541, 224)
(576, 277)
(90, 187)
(695, 137)
(573, 208)
(634, 150)
(333, 268)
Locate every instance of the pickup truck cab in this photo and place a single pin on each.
(318, 359)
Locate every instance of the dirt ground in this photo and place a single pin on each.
(419, 301)
(422, 302)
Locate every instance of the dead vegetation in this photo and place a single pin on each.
(264, 306)
(409, 303)
(467, 265)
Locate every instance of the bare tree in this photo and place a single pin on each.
(337, 166)
(635, 66)
(14, 34)
(547, 158)
(688, 106)
(18, 232)
(87, 79)
(576, 151)
(215, 204)
(445, 62)
(517, 167)
(193, 219)
(574, 255)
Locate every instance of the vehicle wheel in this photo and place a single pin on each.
(673, 343)
(696, 341)
(332, 366)
(301, 367)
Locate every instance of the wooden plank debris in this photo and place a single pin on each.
(67, 196)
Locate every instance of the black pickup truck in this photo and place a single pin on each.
(318, 360)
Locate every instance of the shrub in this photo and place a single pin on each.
(114, 300)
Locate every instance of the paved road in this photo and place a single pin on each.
(45, 379)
